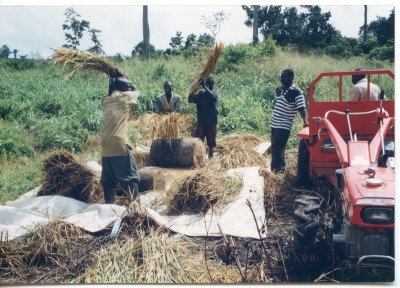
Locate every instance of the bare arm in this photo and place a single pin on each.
(304, 115)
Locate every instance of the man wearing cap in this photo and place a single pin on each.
(117, 160)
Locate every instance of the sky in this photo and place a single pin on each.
(33, 29)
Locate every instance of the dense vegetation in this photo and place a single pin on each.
(41, 112)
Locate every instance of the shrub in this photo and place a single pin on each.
(268, 47)
(57, 133)
(234, 55)
(382, 53)
(14, 140)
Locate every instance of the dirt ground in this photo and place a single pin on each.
(60, 256)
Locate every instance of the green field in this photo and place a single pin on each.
(41, 112)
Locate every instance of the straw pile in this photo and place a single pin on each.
(213, 57)
(167, 126)
(154, 257)
(142, 158)
(54, 253)
(65, 176)
(236, 151)
(78, 60)
(200, 190)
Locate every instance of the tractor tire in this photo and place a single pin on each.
(307, 221)
(303, 166)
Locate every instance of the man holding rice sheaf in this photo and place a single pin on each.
(207, 113)
(168, 101)
(117, 160)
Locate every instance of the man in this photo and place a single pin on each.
(207, 113)
(360, 88)
(168, 101)
(288, 101)
(117, 160)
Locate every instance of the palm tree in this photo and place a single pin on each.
(255, 24)
(365, 23)
(146, 34)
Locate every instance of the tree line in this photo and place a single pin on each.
(304, 28)
(309, 29)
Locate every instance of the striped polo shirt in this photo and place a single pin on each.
(287, 103)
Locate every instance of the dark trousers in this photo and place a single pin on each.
(208, 131)
(119, 169)
(279, 139)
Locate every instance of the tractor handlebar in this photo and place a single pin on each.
(347, 112)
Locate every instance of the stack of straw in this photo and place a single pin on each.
(208, 68)
(66, 177)
(78, 60)
(236, 151)
(168, 126)
(202, 189)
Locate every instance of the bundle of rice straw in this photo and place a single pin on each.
(168, 126)
(65, 176)
(209, 67)
(236, 151)
(142, 158)
(78, 60)
(202, 189)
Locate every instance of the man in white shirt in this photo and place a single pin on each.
(168, 101)
(360, 88)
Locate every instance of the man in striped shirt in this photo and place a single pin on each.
(288, 100)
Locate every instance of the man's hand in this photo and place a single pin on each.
(203, 83)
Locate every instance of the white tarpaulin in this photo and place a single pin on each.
(24, 214)
(21, 216)
(236, 219)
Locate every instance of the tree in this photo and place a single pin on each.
(138, 50)
(205, 40)
(76, 28)
(190, 42)
(317, 32)
(270, 21)
(365, 23)
(214, 22)
(146, 34)
(309, 29)
(4, 51)
(177, 41)
(97, 48)
(15, 51)
(255, 24)
(383, 29)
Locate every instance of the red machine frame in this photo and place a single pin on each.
(345, 143)
(322, 163)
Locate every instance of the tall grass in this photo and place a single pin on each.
(40, 111)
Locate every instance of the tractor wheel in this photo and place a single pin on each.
(307, 222)
(303, 166)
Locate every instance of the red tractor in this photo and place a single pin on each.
(350, 144)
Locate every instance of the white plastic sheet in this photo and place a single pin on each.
(24, 214)
(237, 218)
